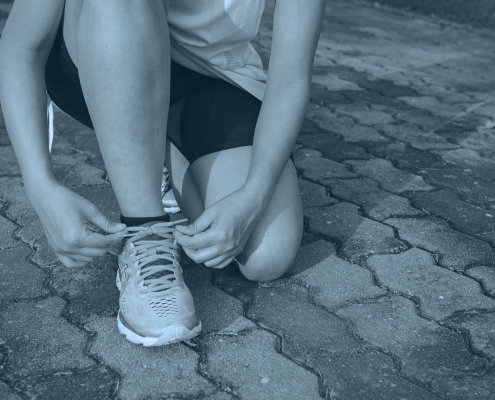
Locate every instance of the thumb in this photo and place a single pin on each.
(101, 221)
(200, 225)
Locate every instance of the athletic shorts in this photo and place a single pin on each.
(215, 115)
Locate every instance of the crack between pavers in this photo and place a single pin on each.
(396, 361)
(332, 310)
(484, 291)
(322, 386)
(363, 213)
(417, 303)
(279, 337)
(449, 223)
(468, 338)
(437, 261)
(17, 229)
(201, 370)
(437, 257)
(14, 387)
(279, 349)
(394, 164)
(409, 145)
(89, 335)
(339, 244)
(18, 383)
(10, 175)
(460, 115)
(438, 186)
(441, 322)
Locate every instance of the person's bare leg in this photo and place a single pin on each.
(123, 57)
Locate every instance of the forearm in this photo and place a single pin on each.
(23, 101)
(282, 114)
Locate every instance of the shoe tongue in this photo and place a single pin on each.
(161, 261)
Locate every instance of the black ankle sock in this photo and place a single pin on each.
(136, 221)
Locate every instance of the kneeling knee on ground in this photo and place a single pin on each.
(265, 266)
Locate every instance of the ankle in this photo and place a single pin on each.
(136, 221)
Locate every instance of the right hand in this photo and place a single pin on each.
(69, 222)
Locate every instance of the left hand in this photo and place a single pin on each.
(221, 232)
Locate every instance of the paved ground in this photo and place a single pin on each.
(475, 12)
(392, 295)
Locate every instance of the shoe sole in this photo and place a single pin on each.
(172, 334)
(171, 210)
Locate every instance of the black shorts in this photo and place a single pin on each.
(215, 115)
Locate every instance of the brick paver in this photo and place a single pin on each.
(357, 236)
(486, 276)
(389, 177)
(376, 203)
(455, 250)
(392, 294)
(251, 361)
(439, 292)
(7, 229)
(165, 371)
(428, 352)
(25, 281)
(334, 282)
(41, 339)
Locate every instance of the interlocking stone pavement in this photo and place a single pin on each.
(392, 293)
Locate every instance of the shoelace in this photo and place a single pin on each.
(155, 276)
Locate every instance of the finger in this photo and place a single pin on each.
(100, 220)
(92, 252)
(200, 225)
(219, 262)
(115, 239)
(99, 241)
(80, 257)
(203, 255)
(198, 241)
(69, 262)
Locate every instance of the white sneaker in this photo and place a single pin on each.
(156, 307)
(168, 199)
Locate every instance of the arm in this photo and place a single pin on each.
(296, 29)
(23, 55)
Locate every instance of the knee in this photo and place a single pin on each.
(266, 266)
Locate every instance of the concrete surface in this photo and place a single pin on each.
(480, 13)
(392, 295)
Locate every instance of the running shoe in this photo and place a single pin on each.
(156, 307)
(168, 199)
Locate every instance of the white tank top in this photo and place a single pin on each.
(213, 37)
